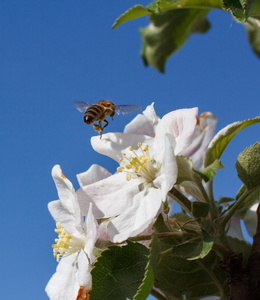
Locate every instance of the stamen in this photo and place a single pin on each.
(138, 165)
(66, 243)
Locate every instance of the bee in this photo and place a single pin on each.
(102, 109)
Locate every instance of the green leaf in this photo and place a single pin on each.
(206, 245)
(132, 13)
(185, 169)
(200, 209)
(236, 8)
(223, 137)
(247, 203)
(209, 172)
(252, 8)
(161, 5)
(192, 189)
(253, 34)
(225, 200)
(147, 284)
(119, 272)
(248, 166)
(168, 32)
(198, 276)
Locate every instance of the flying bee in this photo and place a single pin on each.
(102, 109)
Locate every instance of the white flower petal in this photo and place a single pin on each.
(113, 144)
(62, 215)
(93, 174)
(64, 283)
(138, 217)
(181, 124)
(250, 220)
(84, 275)
(203, 133)
(143, 123)
(91, 228)
(110, 196)
(67, 196)
(64, 187)
(169, 170)
(235, 228)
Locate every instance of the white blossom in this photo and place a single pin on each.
(74, 247)
(147, 171)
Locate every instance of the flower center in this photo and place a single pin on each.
(138, 165)
(66, 244)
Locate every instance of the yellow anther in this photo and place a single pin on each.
(130, 148)
(120, 159)
(58, 225)
(139, 144)
(146, 148)
(120, 169)
(128, 166)
(128, 176)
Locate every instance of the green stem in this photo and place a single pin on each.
(213, 207)
(183, 201)
(226, 218)
(214, 278)
(159, 235)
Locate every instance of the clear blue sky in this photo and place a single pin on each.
(55, 52)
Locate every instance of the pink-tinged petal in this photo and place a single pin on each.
(91, 228)
(137, 218)
(143, 123)
(181, 124)
(110, 196)
(84, 269)
(93, 174)
(250, 220)
(64, 283)
(61, 214)
(102, 231)
(113, 144)
(169, 170)
(204, 131)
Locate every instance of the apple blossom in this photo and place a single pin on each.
(133, 196)
(74, 246)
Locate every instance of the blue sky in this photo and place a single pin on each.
(55, 52)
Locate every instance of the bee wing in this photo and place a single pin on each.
(82, 106)
(127, 109)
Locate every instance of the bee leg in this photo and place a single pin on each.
(105, 124)
(100, 129)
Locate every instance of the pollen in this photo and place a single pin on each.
(138, 164)
(66, 243)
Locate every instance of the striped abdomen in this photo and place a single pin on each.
(93, 113)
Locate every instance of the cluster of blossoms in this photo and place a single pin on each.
(128, 200)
